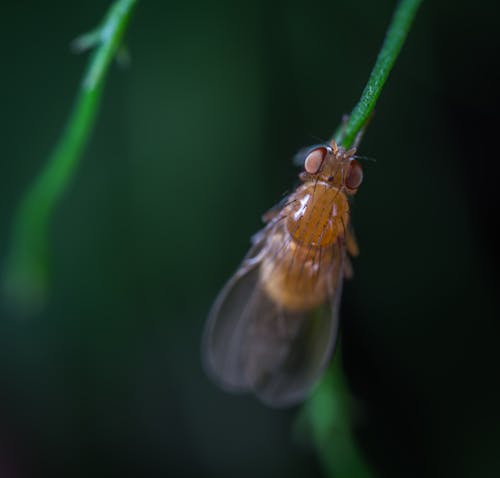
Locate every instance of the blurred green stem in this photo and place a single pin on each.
(27, 268)
(329, 411)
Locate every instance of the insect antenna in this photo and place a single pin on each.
(365, 158)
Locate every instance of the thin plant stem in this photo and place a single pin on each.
(329, 411)
(395, 37)
(27, 269)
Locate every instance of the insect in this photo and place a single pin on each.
(273, 327)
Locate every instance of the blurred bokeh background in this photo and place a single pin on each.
(192, 144)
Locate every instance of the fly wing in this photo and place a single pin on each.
(227, 324)
(227, 330)
(287, 366)
(253, 344)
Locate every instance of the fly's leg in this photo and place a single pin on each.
(334, 142)
(359, 136)
(353, 251)
(271, 214)
(348, 270)
(343, 127)
(361, 133)
(351, 243)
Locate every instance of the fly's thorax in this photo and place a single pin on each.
(317, 215)
(295, 276)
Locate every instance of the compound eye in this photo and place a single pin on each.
(314, 160)
(354, 175)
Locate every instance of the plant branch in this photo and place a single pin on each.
(329, 410)
(395, 37)
(329, 416)
(27, 268)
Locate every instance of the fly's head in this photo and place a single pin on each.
(334, 165)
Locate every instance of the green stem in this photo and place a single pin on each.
(329, 410)
(394, 39)
(27, 268)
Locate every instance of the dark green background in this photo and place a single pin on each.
(193, 143)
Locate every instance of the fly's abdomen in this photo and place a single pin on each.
(296, 276)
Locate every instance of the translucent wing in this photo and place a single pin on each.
(253, 344)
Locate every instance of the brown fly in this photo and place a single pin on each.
(273, 327)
